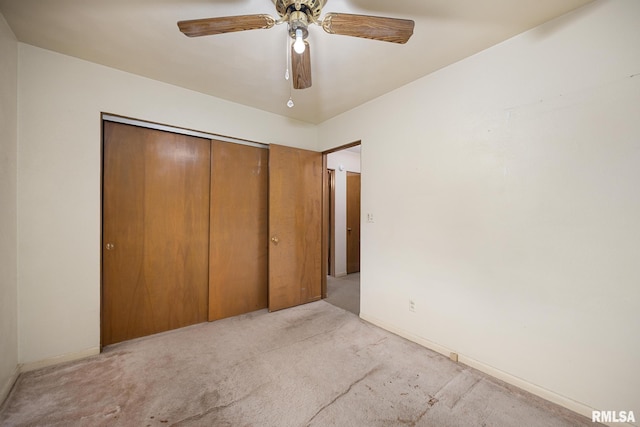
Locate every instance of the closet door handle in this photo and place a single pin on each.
(275, 240)
(110, 246)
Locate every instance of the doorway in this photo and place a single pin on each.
(342, 182)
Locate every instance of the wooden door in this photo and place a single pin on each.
(331, 221)
(295, 226)
(155, 231)
(239, 248)
(353, 222)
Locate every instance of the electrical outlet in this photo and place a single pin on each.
(412, 306)
(369, 217)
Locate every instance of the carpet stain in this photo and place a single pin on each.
(343, 393)
(215, 397)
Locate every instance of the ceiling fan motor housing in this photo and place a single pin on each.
(311, 8)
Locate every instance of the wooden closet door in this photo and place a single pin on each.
(295, 226)
(155, 231)
(239, 254)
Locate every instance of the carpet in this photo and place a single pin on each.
(312, 365)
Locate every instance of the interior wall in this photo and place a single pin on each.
(8, 208)
(505, 195)
(59, 171)
(351, 163)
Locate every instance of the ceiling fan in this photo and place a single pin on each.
(299, 14)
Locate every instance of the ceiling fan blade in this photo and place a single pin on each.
(369, 27)
(301, 67)
(226, 24)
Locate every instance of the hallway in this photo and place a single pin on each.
(344, 292)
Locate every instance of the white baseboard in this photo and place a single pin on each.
(7, 386)
(32, 366)
(558, 399)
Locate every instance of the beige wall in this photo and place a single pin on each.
(505, 191)
(61, 99)
(8, 208)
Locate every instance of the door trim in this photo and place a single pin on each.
(342, 147)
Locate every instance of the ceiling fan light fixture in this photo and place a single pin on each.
(298, 45)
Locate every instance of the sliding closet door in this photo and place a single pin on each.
(295, 226)
(155, 231)
(239, 251)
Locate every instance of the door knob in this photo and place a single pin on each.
(275, 240)
(110, 246)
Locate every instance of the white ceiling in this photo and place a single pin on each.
(141, 37)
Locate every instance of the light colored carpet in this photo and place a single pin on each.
(344, 292)
(312, 365)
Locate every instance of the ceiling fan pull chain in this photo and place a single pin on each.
(287, 59)
(290, 103)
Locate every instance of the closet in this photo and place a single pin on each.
(197, 229)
